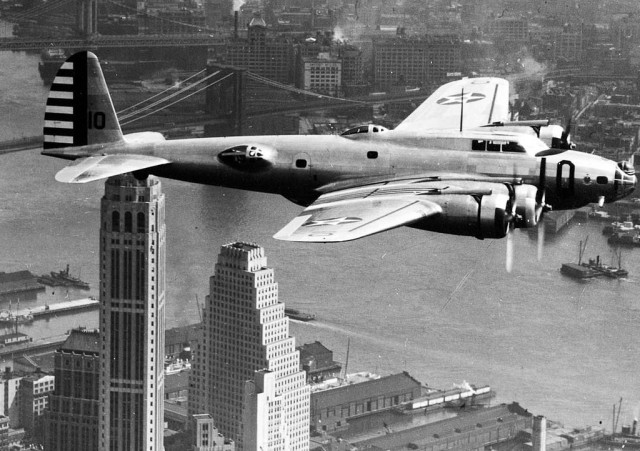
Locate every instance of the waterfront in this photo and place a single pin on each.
(441, 307)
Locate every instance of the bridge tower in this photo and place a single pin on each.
(87, 17)
(224, 102)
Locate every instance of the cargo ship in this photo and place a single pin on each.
(593, 267)
(298, 315)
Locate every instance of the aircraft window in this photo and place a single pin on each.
(494, 146)
(602, 180)
(301, 163)
(353, 131)
(478, 144)
(372, 154)
(375, 129)
(512, 146)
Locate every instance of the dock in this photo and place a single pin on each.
(57, 309)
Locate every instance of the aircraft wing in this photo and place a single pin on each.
(100, 167)
(351, 214)
(467, 103)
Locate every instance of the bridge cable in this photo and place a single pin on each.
(164, 99)
(177, 101)
(293, 89)
(158, 94)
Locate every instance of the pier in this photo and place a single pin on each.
(49, 310)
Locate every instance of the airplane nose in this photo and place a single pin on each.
(628, 180)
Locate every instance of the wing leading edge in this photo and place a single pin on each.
(353, 219)
(461, 104)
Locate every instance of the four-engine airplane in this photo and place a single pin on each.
(455, 165)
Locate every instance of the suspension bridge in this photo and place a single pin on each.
(226, 79)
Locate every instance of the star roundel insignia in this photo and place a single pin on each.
(457, 99)
(331, 221)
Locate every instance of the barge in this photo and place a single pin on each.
(298, 315)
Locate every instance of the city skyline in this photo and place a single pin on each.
(433, 306)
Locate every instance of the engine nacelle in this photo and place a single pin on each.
(248, 157)
(526, 209)
(481, 215)
(495, 213)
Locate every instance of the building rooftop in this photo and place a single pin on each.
(310, 349)
(81, 340)
(360, 385)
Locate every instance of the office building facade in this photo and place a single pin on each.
(72, 421)
(33, 399)
(132, 323)
(245, 330)
(425, 62)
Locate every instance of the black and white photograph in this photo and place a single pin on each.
(319, 225)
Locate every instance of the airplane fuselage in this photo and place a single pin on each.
(303, 172)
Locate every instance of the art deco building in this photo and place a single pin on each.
(132, 323)
(245, 330)
(72, 421)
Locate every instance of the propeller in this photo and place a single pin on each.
(565, 143)
(541, 205)
(512, 217)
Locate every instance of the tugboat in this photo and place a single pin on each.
(63, 278)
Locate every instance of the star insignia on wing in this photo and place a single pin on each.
(331, 221)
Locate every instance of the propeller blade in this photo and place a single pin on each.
(551, 151)
(540, 195)
(564, 139)
(540, 243)
(510, 251)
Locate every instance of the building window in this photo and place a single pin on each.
(115, 221)
(128, 222)
(141, 222)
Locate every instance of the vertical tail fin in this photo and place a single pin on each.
(79, 110)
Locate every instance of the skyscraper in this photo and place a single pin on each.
(132, 323)
(245, 330)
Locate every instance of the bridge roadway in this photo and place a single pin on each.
(33, 142)
(173, 40)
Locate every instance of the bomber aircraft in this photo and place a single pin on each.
(455, 165)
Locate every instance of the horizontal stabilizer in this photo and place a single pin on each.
(350, 220)
(100, 167)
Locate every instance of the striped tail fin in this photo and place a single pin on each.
(79, 110)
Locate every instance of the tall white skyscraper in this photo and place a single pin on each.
(246, 331)
(132, 322)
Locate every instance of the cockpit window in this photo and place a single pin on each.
(496, 146)
(353, 131)
(364, 129)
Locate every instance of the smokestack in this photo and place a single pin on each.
(634, 428)
(235, 24)
(539, 436)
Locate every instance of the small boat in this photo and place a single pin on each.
(298, 315)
